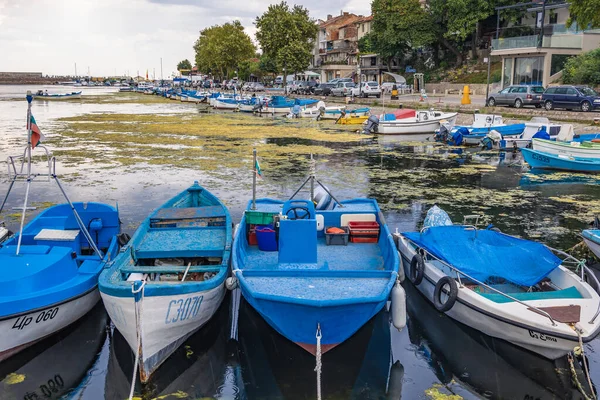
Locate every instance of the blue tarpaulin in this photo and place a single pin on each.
(485, 253)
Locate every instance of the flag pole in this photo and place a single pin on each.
(29, 98)
(254, 180)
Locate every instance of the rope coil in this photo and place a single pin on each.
(319, 365)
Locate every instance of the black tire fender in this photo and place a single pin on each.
(417, 269)
(123, 239)
(452, 294)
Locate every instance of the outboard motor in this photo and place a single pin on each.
(491, 140)
(372, 125)
(296, 111)
(442, 134)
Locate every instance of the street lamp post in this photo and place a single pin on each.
(284, 82)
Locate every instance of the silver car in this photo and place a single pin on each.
(517, 96)
(342, 89)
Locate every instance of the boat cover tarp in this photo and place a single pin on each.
(485, 253)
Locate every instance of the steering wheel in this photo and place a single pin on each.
(299, 213)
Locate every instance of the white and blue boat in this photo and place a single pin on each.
(542, 160)
(475, 133)
(314, 294)
(506, 287)
(50, 277)
(168, 281)
(49, 269)
(57, 96)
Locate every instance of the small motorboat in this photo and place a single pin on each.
(422, 122)
(50, 267)
(482, 125)
(585, 149)
(168, 281)
(591, 237)
(537, 128)
(503, 286)
(352, 120)
(321, 111)
(57, 96)
(542, 160)
(315, 273)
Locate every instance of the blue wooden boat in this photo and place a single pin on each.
(51, 281)
(306, 286)
(541, 160)
(168, 281)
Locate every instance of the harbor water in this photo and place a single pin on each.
(137, 151)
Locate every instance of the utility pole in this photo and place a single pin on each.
(161, 74)
(75, 70)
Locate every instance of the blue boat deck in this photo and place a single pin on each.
(354, 257)
(178, 242)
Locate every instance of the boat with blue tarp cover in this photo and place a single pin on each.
(313, 292)
(168, 281)
(503, 286)
(542, 160)
(49, 269)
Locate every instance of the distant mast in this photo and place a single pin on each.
(75, 70)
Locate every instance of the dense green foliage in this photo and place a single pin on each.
(583, 69)
(286, 36)
(249, 67)
(221, 48)
(585, 12)
(185, 64)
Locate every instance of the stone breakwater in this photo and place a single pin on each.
(27, 78)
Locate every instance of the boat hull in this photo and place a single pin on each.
(540, 339)
(23, 330)
(166, 322)
(400, 127)
(59, 97)
(225, 106)
(541, 160)
(561, 148)
(337, 323)
(592, 241)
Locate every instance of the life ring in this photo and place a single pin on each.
(417, 269)
(452, 294)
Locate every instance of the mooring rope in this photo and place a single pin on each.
(319, 364)
(585, 366)
(138, 327)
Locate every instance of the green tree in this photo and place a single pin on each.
(221, 48)
(399, 26)
(585, 12)
(249, 67)
(185, 64)
(365, 44)
(286, 36)
(583, 69)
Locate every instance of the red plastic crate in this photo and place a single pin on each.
(363, 228)
(357, 239)
(252, 236)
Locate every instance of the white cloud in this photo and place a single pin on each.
(119, 36)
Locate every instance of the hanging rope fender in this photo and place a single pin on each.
(580, 350)
(137, 288)
(319, 364)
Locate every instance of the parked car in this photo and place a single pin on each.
(342, 89)
(323, 89)
(257, 87)
(337, 80)
(517, 96)
(278, 80)
(309, 87)
(571, 98)
(367, 89)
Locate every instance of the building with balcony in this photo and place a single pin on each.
(537, 57)
(335, 50)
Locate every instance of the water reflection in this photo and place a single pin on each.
(58, 365)
(492, 367)
(199, 368)
(360, 368)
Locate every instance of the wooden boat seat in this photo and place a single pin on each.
(570, 314)
(58, 235)
(179, 242)
(166, 269)
(188, 213)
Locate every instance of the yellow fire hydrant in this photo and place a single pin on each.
(466, 99)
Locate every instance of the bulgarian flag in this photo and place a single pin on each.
(257, 169)
(36, 133)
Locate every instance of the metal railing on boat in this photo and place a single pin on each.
(459, 273)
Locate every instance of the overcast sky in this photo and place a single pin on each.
(120, 36)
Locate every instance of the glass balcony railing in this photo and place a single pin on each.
(565, 41)
(514, 42)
